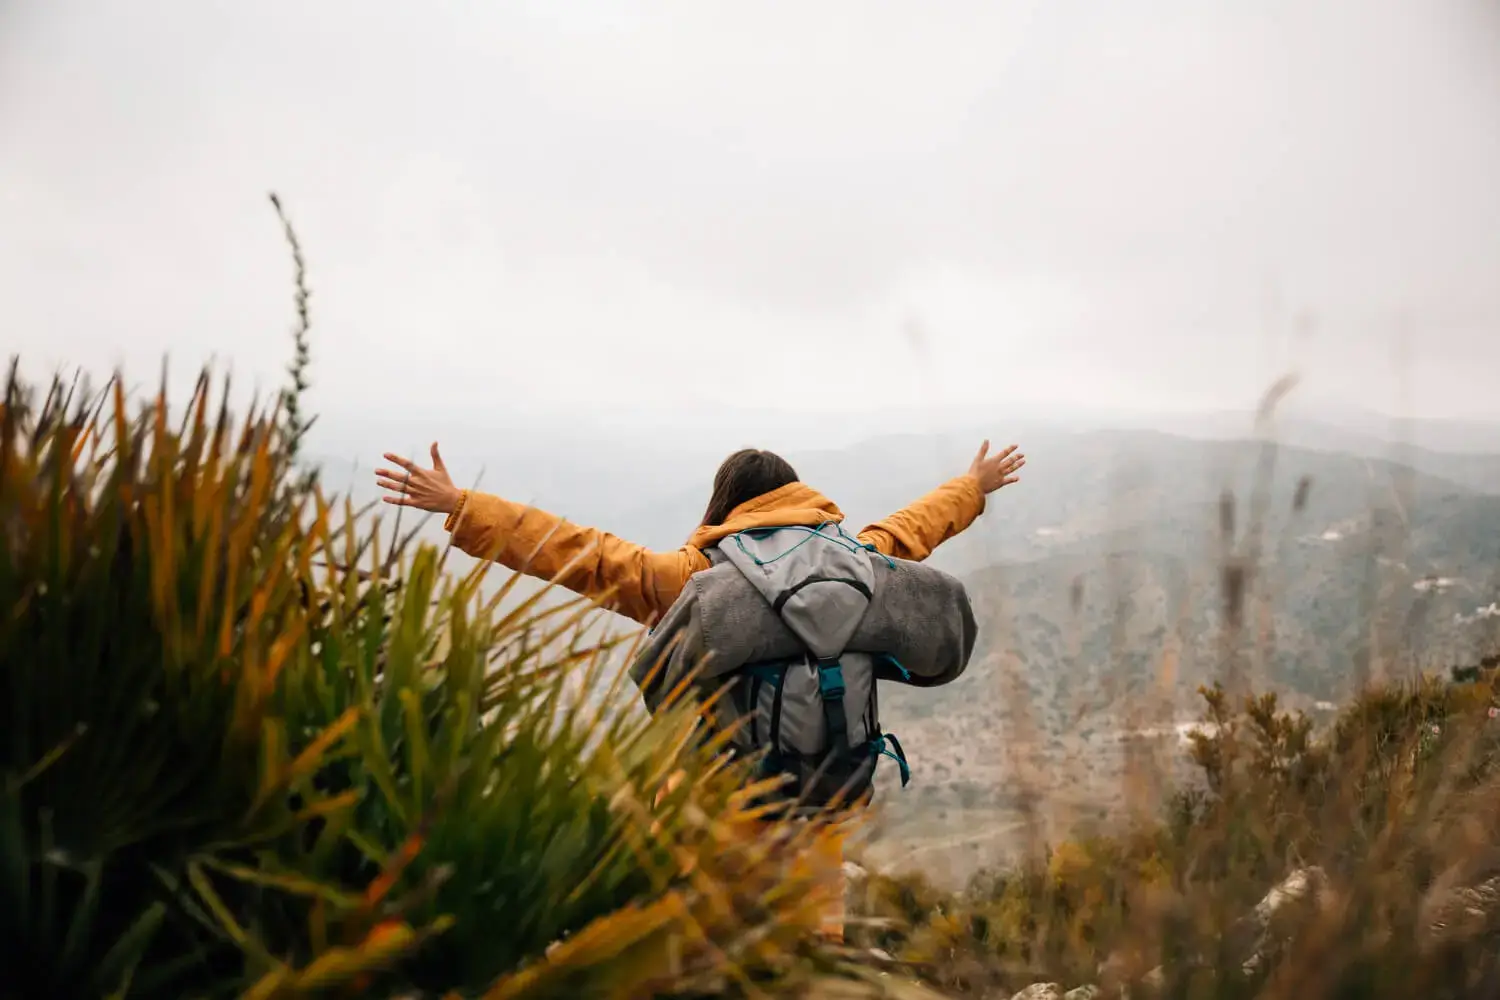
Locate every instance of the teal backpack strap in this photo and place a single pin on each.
(831, 688)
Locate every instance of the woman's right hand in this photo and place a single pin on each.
(426, 489)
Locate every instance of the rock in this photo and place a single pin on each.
(1455, 916)
(1086, 992)
(1249, 935)
(1040, 991)
(1294, 887)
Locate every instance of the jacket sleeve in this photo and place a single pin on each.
(916, 530)
(626, 578)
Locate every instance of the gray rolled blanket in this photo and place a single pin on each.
(918, 616)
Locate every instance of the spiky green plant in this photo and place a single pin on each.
(251, 748)
(151, 603)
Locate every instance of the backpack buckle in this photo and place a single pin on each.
(831, 680)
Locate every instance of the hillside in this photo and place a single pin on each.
(1110, 612)
(342, 769)
(1130, 523)
(1098, 582)
(1150, 501)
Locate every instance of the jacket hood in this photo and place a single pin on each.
(793, 504)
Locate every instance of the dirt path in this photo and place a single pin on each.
(893, 857)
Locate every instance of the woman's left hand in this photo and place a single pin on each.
(995, 471)
(426, 489)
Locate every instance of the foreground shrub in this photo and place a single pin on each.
(1388, 823)
(251, 746)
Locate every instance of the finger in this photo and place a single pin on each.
(405, 463)
(401, 501)
(984, 449)
(394, 485)
(437, 459)
(404, 477)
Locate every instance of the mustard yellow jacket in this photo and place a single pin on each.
(641, 584)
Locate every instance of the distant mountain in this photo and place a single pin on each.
(1465, 453)
(1110, 605)
(1132, 525)
(1113, 511)
(1098, 581)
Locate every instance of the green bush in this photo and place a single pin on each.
(253, 745)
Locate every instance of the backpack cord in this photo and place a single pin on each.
(852, 546)
(879, 748)
(890, 563)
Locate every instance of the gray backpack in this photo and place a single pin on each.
(801, 623)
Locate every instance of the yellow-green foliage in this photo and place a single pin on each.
(1397, 803)
(251, 745)
(250, 748)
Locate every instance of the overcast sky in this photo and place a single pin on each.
(543, 206)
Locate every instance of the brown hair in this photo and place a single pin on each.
(742, 477)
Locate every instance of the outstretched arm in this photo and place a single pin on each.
(622, 576)
(916, 530)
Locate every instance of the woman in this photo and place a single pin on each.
(752, 489)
